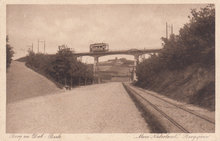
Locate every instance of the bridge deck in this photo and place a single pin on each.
(127, 52)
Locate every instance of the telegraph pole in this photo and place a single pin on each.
(37, 46)
(169, 26)
(44, 42)
(44, 46)
(166, 31)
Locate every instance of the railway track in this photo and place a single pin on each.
(183, 108)
(171, 116)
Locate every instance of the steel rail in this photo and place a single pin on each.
(185, 109)
(160, 111)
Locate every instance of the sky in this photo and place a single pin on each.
(122, 26)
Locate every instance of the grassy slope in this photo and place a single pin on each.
(23, 83)
(194, 85)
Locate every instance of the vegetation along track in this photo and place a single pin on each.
(171, 116)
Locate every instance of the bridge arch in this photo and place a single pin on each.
(134, 57)
(86, 59)
(133, 52)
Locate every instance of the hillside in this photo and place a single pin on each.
(195, 85)
(23, 83)
(184, 69)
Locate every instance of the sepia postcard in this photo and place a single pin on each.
(109, 70)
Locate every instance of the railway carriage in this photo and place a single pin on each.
(99, 47)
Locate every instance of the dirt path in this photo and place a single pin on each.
(23, 83)
(101, 108)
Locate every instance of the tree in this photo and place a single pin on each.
(66, 69)
(195, 44)
(61, 65)
(9, 53)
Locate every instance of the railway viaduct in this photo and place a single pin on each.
(135, 52)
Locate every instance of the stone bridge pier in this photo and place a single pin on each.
(136, 61)
(96, 61)
(134, 76)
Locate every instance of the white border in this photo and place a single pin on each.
(97, 137)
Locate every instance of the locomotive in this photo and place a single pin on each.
(99, 47)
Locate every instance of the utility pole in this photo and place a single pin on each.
(44, 42)
(37, 46)
(166, 31)
(169, 26)
(44, 46)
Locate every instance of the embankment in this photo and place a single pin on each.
(194, 84)
(23, 83)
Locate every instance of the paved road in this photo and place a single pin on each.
(101, 108)
(36, 105)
